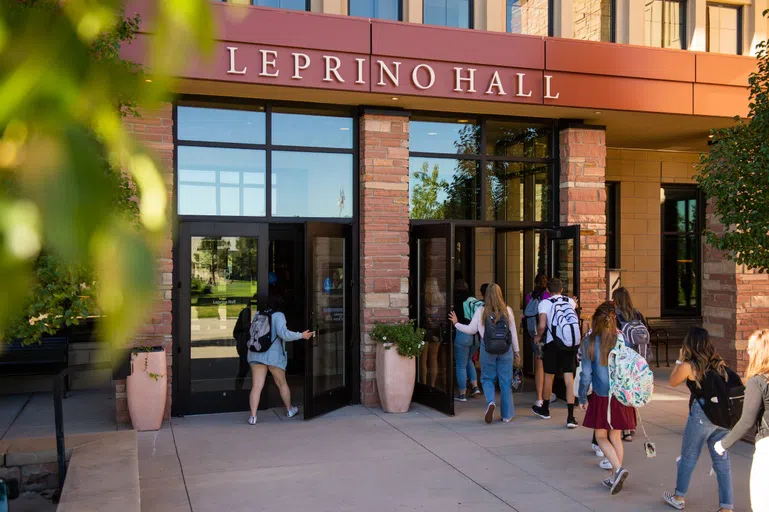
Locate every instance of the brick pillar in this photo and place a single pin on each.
(735, 301)
(155, 130)
(583, 202)
(384, 229)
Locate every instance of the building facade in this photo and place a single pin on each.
(364, 158)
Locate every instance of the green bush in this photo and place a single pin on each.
(409, 340)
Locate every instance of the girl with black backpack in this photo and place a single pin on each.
(499, 350)
(697, 363)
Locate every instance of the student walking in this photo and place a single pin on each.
(697, 363)
(559, 327)
(530, 322)
(595, 372)
(273, 359)
(755, 415)
(464, 345)
(495, 322)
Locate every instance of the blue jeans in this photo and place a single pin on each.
(498, 367)
(463, 361)
(699, 430)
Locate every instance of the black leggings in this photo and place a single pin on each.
(595, 442)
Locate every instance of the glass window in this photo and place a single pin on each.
(517, 191)
(444, 188)
(462, 138)
(220, 125)
(665, 23)
(219, 181)
(681, 224)
(447, 13)
(299, 5)
(289, 129)
(612, 225)
(513, 139)
(311, 184)
(724, 24)
(592, 20)
(379, 9)
(530, 17)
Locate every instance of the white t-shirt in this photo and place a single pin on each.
(476, 326)
(546, 307)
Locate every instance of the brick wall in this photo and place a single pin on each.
(155, 129)
(384, 226)
(640, 175)
(735, 301)
(583, 202)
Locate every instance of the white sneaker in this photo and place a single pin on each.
(604, 464)
(252, 420)
(597, 450)
(553, 398)
(292, 412)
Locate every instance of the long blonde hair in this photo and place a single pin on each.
(701, 354)
(493, 304)
(758, 346)
(621, 298)
(604, 328)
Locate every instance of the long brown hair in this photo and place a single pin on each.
(604, 327)
(621, 298)
(701, 354)
(493, 303)
(758, 352)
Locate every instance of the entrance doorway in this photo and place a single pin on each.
(227, 273)
(443, 254)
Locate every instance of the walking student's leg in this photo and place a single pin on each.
(723, 469)
(691, 446)
(258, 376)
(602, 436)
(472, 376)
(505, 377)
(461, 352)
(488, 375)
(280, 380)
(539, 379)
(615, 438)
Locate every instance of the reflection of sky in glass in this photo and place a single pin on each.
(379, 9)
(312, 131)
(432, 137)
(220, 125)
(447, 13)
(311, 184)
(218, 181)
(299, 5)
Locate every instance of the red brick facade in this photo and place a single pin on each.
(155, 130)
(583, 202)
(735, 301)
(384, 232)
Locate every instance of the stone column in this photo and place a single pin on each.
(384, 232)
(735, 301)
(583, 202)
(154, 129)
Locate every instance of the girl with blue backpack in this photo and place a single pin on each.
(464, 344)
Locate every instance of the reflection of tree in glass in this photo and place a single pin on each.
(212, 256)
(424, 199)
(244, 260)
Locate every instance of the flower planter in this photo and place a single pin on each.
(395, 377)
(147, 388)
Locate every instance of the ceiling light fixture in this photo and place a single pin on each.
(598, 112)
(463, 120)
(395, 98)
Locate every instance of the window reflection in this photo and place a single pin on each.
(517, 191)
(515, 139)
(443, 188)
(299, 5)
(723, 25)
(220, 125)
(592, 20)
(680, 251)
(378, 9)
(664, 21)
(462, 138)
(219, 181)
(290, 129)
(447, 13)
(311, 184)
(528, 17)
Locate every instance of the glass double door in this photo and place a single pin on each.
(227, 272)
(447, 258)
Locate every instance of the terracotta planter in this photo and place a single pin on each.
(395, 376)
(147, 395)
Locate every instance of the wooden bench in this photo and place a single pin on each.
(667, 331)
(49, 357)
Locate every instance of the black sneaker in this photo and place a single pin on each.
(461, 398)
(476, 391)
(572, 423)
(540, 411)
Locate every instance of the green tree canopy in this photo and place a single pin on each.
(735, 176)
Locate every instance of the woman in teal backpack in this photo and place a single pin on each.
(464, 345)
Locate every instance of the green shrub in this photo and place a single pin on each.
(408, 339)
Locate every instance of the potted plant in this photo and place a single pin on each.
(147, 388)
(397, 346)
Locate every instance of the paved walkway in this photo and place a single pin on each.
(363, 459)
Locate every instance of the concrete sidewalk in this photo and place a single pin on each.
(364, 459)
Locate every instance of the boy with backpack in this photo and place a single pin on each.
(530, 322)
(559, 329)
